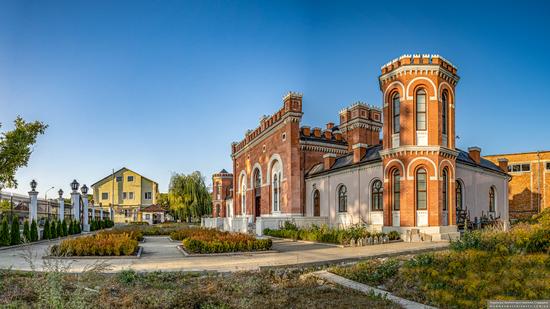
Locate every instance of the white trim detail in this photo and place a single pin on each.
(418, 78)
(434, 177)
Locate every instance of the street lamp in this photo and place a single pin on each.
(60, 192)
(84, 189)
(33, 185)
(47, 202)
(74, 185)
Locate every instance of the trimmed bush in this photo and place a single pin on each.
(323, 233)
(26, 231)
(5, 233)
(198, 240)
(101, 244)
(34, 231)
(53, 230)
(15, 234)
(46, 233)
(64, 228)
(58, 229)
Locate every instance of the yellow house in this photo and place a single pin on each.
(127, 192)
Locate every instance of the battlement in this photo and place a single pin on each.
(360, 104)
(328, 135)
(418, 59)
(292, 106)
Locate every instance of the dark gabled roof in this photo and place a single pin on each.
(372, 155)
(154, 208)
(116, 172)
(223, 171)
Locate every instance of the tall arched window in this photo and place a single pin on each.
(243, 195)
(376, 195)
(492, 199)
(395, 112)
(421, 189)
(316, 203)
(458, 195)
(421, 110)
(396, 190)
(276, 190)
(444, 107)
(445, 189)
(342, 199)
(218, 190)
(218, 210)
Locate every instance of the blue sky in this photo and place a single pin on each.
(166, 86)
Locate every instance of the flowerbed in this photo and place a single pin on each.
(198, 240)
(482, 265)
(101, 244)
(349, 236)
(162, 229)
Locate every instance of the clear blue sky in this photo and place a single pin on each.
(166, 86)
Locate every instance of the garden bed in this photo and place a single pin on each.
(136, 255)
(103, 244)
(208, 241)
(355, 236)
(181, 249)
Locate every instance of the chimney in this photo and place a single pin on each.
(317, 132)
(306, 130)
(338, 136)
(475, 154)
(329, 160)
(503, 164)
(359, 151)
(327, 134)
(330, 125)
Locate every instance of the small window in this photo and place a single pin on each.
(131, 195)
(492, 200)
(526, 167)
(342, 199)
(518, 168)
(548, 166)
(147, 216)
(147, 195)
(118, 178)
(376, 196)
(124, 195)
(284, 137)
(105, 196)
(130, 178)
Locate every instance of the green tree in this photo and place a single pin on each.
(59, 231)
(5, 233)
(15, 149)
(46, 232)
(26, 231)
(53, 230)
(163, 199)
(188, 196)
(15, 234)
(64, 228)
(34, 231)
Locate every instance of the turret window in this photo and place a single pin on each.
(396, 190)
(444, 103)
(421, 110)
(421, 190)
(396, 113)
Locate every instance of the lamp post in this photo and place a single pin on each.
(33, 207)
(75, 199)
(61, 214)
(47, 202)
(85, 219)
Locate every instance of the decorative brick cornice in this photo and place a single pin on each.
(323, 147)
(418, 150)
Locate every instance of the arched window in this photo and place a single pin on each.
(376, 195)
(342, 199)
(396, 190)
(218, 190)
(492, 199)
(276, 193)
(217, 210)
(243, 195)
(396, 112)
(458, 195)
(445, 104)
(421, 189)
(445, 190)
(421, 110)
(316, 203)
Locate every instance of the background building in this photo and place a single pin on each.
(128, 192)
(529, 189)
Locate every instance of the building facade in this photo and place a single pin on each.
(529, 189)
(127, 192)
(345, 174)
(222, 189)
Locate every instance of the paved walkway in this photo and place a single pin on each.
(159, 253)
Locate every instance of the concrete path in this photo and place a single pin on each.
(159, 253)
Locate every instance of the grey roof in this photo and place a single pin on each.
(223, 171)
(372, 155)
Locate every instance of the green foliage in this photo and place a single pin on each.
(394, 235)
(46, 232)
(372, 272)
(34, 231)
(101, 244)
(15, 149)
(127, 276)
(53, 230)
(26, 231)
(15, 234)
(188, 196)
(5, 233)
(59, 231)
(322, 234)
(64, 231)
(198, 240)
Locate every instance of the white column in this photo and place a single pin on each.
(61, 209)
(33, 207)
(101, 213)
(75, 198)
(85, 221)
(111, 214)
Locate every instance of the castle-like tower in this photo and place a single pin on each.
(361, 124)
(419, 156)
(222, 186)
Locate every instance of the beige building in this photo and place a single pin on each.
(127, 192)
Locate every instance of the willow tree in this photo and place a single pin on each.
(188, 196)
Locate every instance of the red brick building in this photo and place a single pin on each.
(345, 174)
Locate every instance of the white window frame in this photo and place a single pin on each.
(130, 177)
(276, 176)
(148, 195)
(103, 194)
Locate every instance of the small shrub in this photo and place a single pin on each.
(59, 231)
(34, 231)
(394, 235)
(5, 233)
(127, 276)
(64, 228)
(46, 232)
(26, 231)
(15, 234)
(53, 230)
(213, 241)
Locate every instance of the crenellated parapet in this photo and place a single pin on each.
(290, 111)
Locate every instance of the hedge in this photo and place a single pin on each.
(101, 244)
(198, 240)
